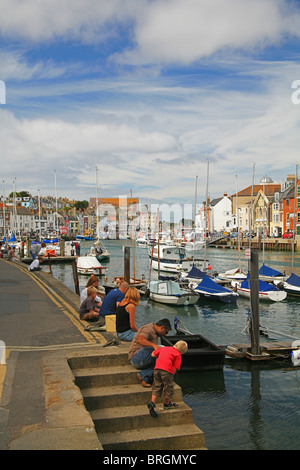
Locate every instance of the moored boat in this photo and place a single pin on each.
(210, 290)
(170, 292)
(174, 259)
(268, 274)
(202, 354)
(89, 265)
(291, 286)
(235, 274)
(267, 291)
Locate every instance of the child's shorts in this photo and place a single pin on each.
(163, 380)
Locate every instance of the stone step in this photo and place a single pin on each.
(177, 437)
(115, 358)
(105, 376)
(121, 395)
(124, 418)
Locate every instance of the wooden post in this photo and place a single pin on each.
(127, 264)
(75, 277)
(50, 268)
(254, 300)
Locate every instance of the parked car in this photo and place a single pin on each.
(287, 235)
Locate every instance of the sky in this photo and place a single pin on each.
(152, 93)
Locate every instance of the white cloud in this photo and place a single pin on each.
(173, 31)
(39, 20)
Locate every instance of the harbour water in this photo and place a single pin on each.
(246, 406)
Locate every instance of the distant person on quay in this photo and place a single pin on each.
(12, 254)
(125, 315)
(141, 348)
(36, 248)
(88, 309)
(168, 361)
(113, 298)
(35, 265)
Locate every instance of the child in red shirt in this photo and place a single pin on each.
(167, 362)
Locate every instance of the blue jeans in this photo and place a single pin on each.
(144, 361)
(126, 335)
(33, 255)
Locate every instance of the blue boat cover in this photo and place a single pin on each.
(262, 285)
(196, 273)
(294, 280)
(211, 286)
(267, 271)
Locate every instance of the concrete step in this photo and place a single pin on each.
(124, 418)
(177, 437)
(115, 357)
(121, 395)
(105, 376)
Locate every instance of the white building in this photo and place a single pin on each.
(221, 214)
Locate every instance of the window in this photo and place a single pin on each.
(275, 206)
(276, 218)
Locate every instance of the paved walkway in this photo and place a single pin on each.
(39, 323)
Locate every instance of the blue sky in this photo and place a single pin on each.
(148, 91)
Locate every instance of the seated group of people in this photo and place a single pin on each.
(120, 302)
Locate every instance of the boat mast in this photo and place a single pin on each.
(56, 221)
(295, 206)
(238, 221)
(97, 232)
(132, 234)
(4, 230)
(264, 214)
(40, 230)
(195, 210)
(251, 210)
(206, 221)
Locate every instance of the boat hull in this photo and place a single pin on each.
(269, 296)
(202, 354)
(183, 299)
(88, 265)
(229, 298)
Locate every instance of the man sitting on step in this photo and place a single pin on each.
(143, 344)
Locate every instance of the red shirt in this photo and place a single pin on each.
(168, 358)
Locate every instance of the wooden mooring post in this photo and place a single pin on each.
(127, 264)
(255, 350)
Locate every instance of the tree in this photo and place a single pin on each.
(81, 205)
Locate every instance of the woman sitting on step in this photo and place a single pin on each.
(125, 315)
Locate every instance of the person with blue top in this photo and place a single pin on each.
(113, 299)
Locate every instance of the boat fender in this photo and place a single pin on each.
(296, 357)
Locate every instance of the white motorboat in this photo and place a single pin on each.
(174, 259)
(89, 265)
(170, 292)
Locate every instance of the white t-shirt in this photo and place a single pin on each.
(34, 265)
